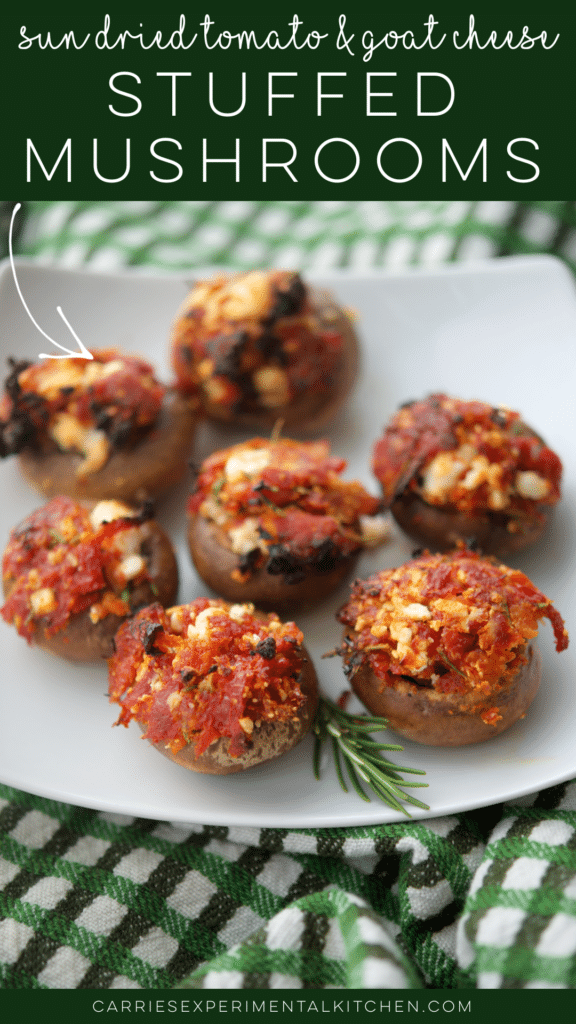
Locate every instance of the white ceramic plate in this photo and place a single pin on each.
(504, 332)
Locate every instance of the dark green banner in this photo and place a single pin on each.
(291, 1005)
(288, 100)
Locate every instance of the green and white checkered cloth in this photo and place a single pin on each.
(482, 899)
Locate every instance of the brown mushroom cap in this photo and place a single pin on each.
(81, 639)
(144, 470)
(440, 529)
(215, 562)
(424, 715)
(269, 739)
(314, 408)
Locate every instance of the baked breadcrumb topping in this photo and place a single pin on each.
(455, 622)
(469, 456)
(283, 504)
(206, 670)
(63, 559)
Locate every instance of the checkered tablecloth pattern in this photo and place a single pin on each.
(481, 899)
(177, 236)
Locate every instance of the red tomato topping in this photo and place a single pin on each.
(454, 622)
(57, 564)
(206, 670)
(112, 393)
(289, 493)
(468, 455)
(253, 340)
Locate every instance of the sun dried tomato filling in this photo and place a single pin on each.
(253, 341)
(58, 563)
(206, 670)
(89, 406)
(283, 505)
(454, 622)
(469, 456)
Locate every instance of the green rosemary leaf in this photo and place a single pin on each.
(414, 802)
(338, 765)
(355, 750)
(369, 744)
(365, 722)
(354, 780)
(450, 664)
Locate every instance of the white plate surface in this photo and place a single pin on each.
(503, 332)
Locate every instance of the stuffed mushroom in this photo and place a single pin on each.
(72, 574)
(273, 522)
(99, 428)
(453, 470)
(262, 346)
(217, 688)
(443, 646)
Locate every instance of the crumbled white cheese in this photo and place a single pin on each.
(247, 463)
(374, 530)
(531, 485)
(130, 567)
(114, 366)
(400, 632)
(467, 468)
(246, 297)
(108, 511)
(242, 297)
(497, 499)
(245, 538)
(271, 382)
(43, 601)
(441, 474)
(416, 611)
(127, 543)
(68, 432)
(176, 619)
(451, 608)
(96, 449)
(238, 612)
(210, 509)
(200, 630)
(67, 374)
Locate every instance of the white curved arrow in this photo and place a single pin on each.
(67, 353)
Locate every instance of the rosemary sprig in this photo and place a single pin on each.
(355, 750)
